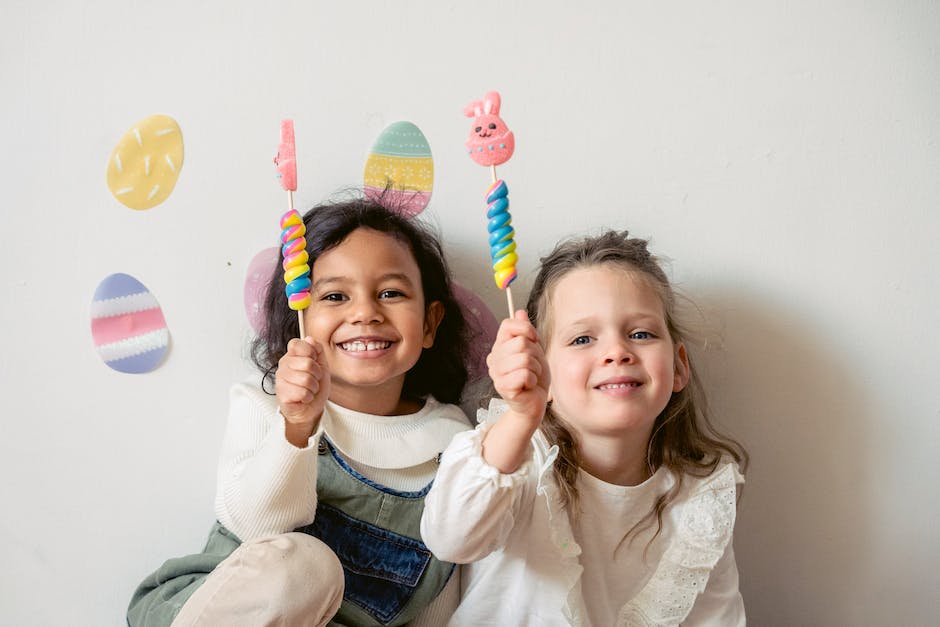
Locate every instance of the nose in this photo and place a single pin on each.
(618, 352)
(365, 311)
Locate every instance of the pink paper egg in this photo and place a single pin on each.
(483, 327)
(127, 325)
(257, 277)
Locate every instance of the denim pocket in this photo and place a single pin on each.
(382, 568)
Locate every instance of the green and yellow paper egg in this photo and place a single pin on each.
(400, 161)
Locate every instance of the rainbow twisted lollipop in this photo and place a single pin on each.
(296, 269)
(502, 244)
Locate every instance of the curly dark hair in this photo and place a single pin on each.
(441, 370)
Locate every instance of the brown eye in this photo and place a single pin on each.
(492, 126)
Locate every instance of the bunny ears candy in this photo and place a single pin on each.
(491, 143)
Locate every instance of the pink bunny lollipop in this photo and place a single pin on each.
(491, 143)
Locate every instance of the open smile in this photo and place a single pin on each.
(358, 346)
(618, 386)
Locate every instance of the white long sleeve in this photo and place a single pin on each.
(266, 485)
(526, 567)
(472, 507)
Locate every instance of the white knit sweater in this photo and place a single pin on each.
(266, 485)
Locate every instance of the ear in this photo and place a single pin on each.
(432, 320)
(491, 102)
(474, 109)
(681, 377)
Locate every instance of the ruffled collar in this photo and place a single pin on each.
(393, 442)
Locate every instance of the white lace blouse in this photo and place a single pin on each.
(526, 565)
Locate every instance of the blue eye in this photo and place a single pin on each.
(580, 340)
(642, 335)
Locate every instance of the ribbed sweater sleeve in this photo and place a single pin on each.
(265, 484)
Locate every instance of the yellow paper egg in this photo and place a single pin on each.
(146, 162)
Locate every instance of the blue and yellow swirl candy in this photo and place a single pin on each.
(502, 244)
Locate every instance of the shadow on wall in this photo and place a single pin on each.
(804, 528)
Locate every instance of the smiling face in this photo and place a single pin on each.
(368, 313)
(488, 125)
(614, 365)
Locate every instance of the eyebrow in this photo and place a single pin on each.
(636, 317)
(389, 276)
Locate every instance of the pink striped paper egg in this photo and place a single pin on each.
(127, 325)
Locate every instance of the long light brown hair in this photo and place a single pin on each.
(683, 438)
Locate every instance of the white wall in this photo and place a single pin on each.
(786, 158)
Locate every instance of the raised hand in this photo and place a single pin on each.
(520, 375)
(302, 385)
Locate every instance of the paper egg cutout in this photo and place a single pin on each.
(401, 160)
(257, 278)
(146, 162)
(127, 325)
(483, 327)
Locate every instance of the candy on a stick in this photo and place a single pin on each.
(502, 245)
(294, 246)
(286, 159)
(491, 143)
(296, 268)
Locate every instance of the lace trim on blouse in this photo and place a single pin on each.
(705, 528)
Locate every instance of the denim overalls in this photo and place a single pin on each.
(390, 574)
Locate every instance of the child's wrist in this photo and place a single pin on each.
(522, 421)
(299, 433)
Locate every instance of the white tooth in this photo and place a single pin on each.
(359, 345)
